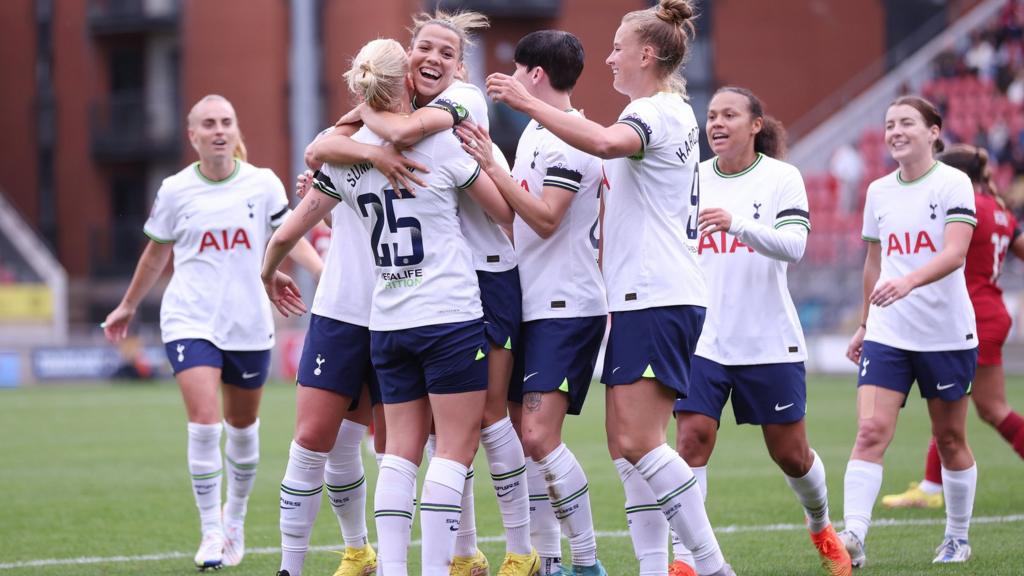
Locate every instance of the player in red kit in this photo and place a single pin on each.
(996, 234)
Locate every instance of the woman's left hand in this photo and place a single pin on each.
(890, 291)
(504, 88)
(711, 220)
(353, 116)
(477, 143)
(284, 294)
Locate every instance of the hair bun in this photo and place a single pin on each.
(675, 11)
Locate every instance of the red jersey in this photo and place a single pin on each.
(996, 230)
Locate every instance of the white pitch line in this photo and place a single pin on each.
(734, 529)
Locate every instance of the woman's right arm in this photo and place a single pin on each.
(338, 148)
(405, 130)
(151, 264)
(615, 141)
(872, 271)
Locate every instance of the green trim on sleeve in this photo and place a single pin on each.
(971, 221)
(870, 239)
(476, 174)
(155, 239)
(794, 221)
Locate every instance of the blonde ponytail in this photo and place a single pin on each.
(378, 73)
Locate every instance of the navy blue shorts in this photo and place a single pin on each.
(243, 368)
(336, 358)
(502, 298)
(947, 375)
(653, 343)
(761, 393)
(557, 354)
(437, 359)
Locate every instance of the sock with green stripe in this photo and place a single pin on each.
(243, 457)
(393, 510)
(301, 489)
(679, 496)
(346, 483)
(465, 542)
(440, 508)
(648, 527)
(206, 467)
(811, 491)
(570, 498)
(545, 533)
(679, 552)
(508, 474)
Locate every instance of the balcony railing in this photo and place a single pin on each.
(114, 17)
(507, 8)
(122, 130)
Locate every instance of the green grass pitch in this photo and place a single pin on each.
(94, 482)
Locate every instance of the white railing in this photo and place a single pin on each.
(38, 257)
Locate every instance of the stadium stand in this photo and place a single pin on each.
(977, 80)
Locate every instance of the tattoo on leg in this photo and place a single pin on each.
(531, 401)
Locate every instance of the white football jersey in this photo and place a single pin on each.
(751, 318)
(424, 267)
(220, 232)
(651, 210)
(559, 275)
(909, 219)
(492, 249)
(346, 283)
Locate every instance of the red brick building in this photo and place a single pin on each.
(96, 90)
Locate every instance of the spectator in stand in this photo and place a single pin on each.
(1015, 91)
(847, 167)
(980, 57)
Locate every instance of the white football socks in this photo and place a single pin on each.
(242, 451)
(545, 533)
(508, 474)
(300, 501)
(205, 466)
(680, 498)
(465, 541)
(959, 487)
(861, 484)
(812, 493)
(393, 510)
(648, 527)
(440, 508)
(570, 499)
(679, 552)
(346, 483)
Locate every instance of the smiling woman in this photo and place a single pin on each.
(215, 217)
(652, 186)
(917, 322)
(748, 193)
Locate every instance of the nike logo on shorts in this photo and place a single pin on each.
(616, 369)
(249, 375)
(781, 408)
(944, 386)
(530, 375)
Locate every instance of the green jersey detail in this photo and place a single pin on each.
(648, 373)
